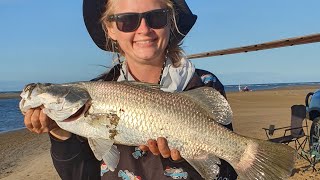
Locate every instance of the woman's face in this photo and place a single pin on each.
(144, 45)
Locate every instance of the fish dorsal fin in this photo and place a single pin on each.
(105, 150)
(212, 102)
(206, 165)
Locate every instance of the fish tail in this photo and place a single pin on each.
(266, 160)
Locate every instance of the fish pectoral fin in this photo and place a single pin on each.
(206, 165)
(212, 102)
(105, 150)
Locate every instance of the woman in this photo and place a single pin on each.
(145, 36)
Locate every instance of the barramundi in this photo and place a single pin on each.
(130, 113)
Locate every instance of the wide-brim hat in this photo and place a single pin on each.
(93, 9)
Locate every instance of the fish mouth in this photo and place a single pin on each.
(82, 111)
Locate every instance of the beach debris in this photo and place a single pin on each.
(130, 113)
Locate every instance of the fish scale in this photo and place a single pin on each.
(154, 103)
(160, 116)
(132, 113)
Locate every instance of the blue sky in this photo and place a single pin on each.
(46, 41)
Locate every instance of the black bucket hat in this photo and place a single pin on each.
(93, 9)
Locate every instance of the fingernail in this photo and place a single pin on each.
(152, 143)
(174, 151)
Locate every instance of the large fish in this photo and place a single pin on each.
(109, 113)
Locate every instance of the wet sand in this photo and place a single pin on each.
(27, 156)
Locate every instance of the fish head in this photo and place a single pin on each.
(60, 102)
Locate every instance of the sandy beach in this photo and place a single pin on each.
(25, 155)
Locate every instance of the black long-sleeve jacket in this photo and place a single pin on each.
(74, 160)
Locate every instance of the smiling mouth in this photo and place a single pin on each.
(145, 41)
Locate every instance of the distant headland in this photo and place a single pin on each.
(10, 95)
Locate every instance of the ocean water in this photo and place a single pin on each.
(257, 87)
(11, 117)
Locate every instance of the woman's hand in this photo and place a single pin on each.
(161, 147)
(38, 122)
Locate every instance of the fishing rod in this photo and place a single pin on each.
(313, 38)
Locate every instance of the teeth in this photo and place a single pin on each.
(143, 42)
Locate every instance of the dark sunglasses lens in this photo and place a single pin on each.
(157, 19)
(127, 22)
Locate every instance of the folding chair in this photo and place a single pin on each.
(293, 133)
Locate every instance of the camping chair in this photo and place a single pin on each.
(293, 133)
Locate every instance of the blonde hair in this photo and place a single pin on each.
(174, 50)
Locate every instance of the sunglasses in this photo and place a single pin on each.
(129, 22)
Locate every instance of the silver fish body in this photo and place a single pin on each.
(126, 113)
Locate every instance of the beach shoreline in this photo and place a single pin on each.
(10, 95)
(26, 155)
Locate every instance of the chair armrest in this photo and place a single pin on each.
(270, 131)
(285, 132)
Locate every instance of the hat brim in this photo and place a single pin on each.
(93, 9)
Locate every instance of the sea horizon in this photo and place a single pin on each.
(267, 86)
(231, 87)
